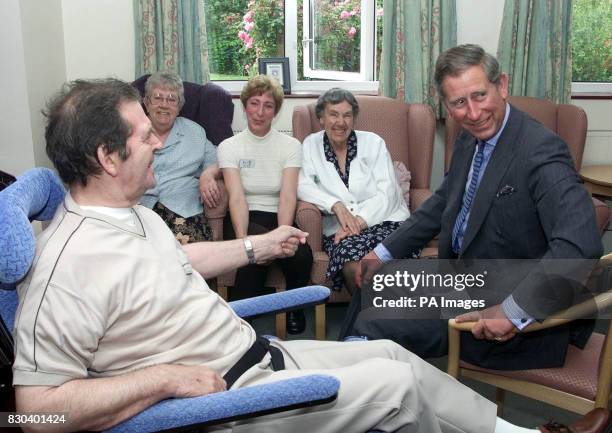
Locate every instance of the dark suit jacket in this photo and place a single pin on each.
(548, 214)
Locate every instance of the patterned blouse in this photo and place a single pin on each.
(351, 153)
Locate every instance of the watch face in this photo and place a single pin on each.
(6, 179)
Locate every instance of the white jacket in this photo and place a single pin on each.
(373, 192)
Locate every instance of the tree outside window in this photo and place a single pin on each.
(592, 41)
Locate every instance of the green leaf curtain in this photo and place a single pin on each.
(170, 35)
(415, 33)
(535, 48)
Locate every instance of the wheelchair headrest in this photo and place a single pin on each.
(35, 195)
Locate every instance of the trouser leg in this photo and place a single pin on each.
(383, 386)
(250, 279)
(296, 268)
(425, 337)
(347, 327)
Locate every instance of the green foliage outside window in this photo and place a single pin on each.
(592, 40)
(337, 36)
(241, 31)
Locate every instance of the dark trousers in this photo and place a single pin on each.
(250, 279)
(427, 338)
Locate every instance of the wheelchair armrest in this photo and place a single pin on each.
(279, 302)
(233, 405)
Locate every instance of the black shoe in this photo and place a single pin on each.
(296, 322)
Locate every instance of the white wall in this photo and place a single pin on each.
(44, 60)
(478, 22)
(32, 50)
(16, 152)
(99, 38)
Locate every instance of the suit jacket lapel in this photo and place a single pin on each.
(500, 161)
(463, 158)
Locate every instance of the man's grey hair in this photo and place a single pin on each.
(454, 61)
(334, 96)
(166, 80)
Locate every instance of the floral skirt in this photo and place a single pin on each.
(353, 248)
(186, 230)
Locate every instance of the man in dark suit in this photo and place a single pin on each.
(511, 192)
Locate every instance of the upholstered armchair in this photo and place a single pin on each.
(408, 131)
(209, 105)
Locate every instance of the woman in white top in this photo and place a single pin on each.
(260, 168)
(349, 176)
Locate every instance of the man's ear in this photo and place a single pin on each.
(108, 161)
(503, 85)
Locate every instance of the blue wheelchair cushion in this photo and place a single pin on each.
(34, 196)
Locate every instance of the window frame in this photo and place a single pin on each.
(307, 87)
(367, 58)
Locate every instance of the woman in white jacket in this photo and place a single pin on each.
(349, 176)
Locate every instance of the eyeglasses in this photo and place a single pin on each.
(158, 99)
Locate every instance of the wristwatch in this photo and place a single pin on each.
(248, 247)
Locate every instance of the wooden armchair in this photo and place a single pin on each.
(582, 384)
(408, 131)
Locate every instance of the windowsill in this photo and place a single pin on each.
(584, 90)
(310, 89)
(309, 95)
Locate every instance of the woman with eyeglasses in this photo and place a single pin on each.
(260, 168)
(185, 167)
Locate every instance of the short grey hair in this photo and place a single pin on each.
(334, 96)
(454, 61)
(166, 80)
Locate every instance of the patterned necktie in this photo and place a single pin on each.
(468, 197)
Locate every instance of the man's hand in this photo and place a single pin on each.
(192, 380)
(491, 324)
(279, 243)
(210, 192)
(366, 268)
(347, 220)
(103, 402)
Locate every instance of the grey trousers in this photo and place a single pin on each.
(383, 387)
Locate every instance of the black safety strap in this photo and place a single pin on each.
(253, 356)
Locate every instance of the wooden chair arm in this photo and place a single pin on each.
(600, 302)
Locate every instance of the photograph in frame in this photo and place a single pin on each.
(277, 67)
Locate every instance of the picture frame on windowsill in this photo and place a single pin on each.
(277, 67)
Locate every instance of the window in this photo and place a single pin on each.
(337, 40)
(592, 46)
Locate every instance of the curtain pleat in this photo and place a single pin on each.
(170, 35)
